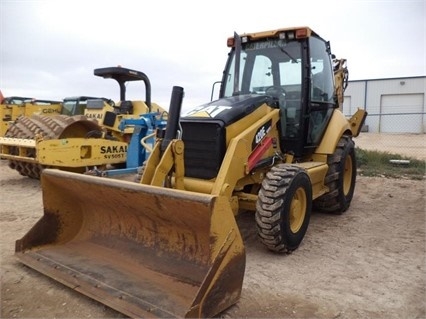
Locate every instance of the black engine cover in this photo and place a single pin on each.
(204, 132)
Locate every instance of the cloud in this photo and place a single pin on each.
(49, 49)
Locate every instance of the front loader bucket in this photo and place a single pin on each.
(145, 251)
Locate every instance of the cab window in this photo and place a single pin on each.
(322, 79)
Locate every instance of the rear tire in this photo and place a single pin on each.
(283, 208)
(340, 179)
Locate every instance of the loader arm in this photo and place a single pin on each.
(167, 168)
(239, 151)
(167, 156)
(158, 168)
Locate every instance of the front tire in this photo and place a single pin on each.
(340, 178)
(283, 208)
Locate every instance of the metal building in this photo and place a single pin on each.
(394, 105)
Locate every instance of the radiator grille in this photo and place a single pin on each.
(204, 148)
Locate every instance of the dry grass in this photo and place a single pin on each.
(377, 163)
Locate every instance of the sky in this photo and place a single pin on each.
(49, 49)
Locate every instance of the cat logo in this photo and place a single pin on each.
(207, 111)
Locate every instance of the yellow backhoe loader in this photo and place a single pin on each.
(79, 143)
(275, 143)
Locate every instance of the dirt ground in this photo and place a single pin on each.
(367, 263)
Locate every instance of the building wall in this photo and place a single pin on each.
(395, 105)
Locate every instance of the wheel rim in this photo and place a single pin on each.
(298, 210)
(347, 175)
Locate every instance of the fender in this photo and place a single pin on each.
(338, 126)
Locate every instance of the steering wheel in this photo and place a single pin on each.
(275, 90)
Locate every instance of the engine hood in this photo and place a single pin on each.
(228, 110)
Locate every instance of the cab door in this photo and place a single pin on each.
(322, 98)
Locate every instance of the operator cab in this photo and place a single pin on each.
(294, 67)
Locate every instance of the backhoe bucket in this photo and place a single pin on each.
(145, 251)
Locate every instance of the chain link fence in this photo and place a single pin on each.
(405, 144)
(396, 121)
(394, 132)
